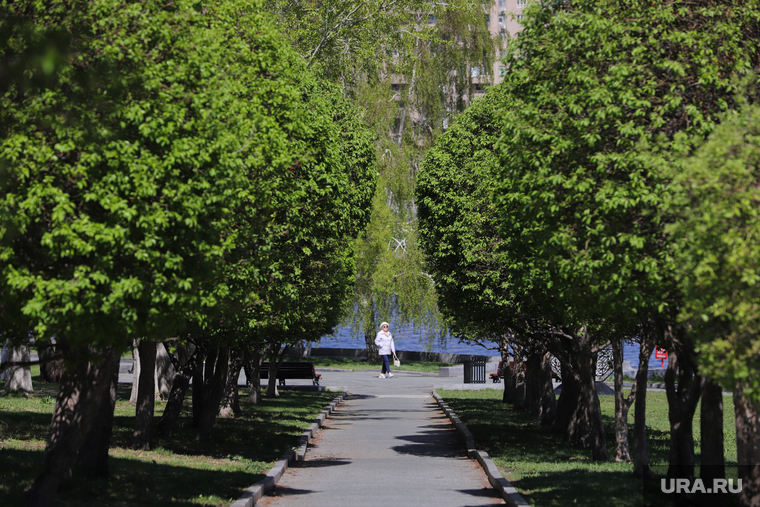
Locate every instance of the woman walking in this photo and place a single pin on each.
(385, 347)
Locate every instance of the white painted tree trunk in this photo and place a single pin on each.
(163, 377)
(164, 373)
(135, 372)
(17, 378)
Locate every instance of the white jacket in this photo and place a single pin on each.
(384, 342)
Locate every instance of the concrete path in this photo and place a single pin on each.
(388, 445)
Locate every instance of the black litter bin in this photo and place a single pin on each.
(475, 370)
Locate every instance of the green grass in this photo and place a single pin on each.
(345, 363)
(549, 472)
(179, 471)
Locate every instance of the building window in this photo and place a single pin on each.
(520, 18)
(501, 21)
(522, 3)
(501, 4)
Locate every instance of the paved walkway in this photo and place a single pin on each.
(388, 445)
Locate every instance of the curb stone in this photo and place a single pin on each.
(503, 486)
(253, 494)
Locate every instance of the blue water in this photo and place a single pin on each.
(408, 339)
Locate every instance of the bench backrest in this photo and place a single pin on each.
(290, 370)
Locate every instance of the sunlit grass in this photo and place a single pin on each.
(178, 471)
(346, 363)
(548, 471)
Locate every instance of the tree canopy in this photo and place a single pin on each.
(715, 240)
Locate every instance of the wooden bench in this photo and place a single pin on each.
(292, 371)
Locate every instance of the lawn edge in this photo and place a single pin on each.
(507, 491)
(253, 494)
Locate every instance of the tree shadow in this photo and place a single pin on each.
(441, 443)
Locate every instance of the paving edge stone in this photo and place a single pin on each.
(253, 494)
(498, 482)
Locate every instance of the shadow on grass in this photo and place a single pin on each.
(582, 487)
(546, 470)
(132, 482)
(179, 471)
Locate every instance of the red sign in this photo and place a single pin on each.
(660, 353)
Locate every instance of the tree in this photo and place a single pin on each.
(715, 239)
(119, 169)
(580, 196)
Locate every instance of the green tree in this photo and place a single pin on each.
(715, 238)
(580, 197)
(464, 250)
(120, 169)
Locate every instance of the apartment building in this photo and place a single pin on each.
(504, 21)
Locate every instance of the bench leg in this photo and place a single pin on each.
(315, 382)
(282, 381)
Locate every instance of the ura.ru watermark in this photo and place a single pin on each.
(699, 486)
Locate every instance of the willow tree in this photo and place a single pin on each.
(410, 65)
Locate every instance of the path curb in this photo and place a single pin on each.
(253, 494)
(499, 483)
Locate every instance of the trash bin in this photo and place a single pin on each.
(475, 370)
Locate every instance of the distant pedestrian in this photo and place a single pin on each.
(385, 347)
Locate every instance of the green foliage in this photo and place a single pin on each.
(716, 241)
(409, 65)
(458, 223)
(313, 258)
(580, 197)
(177, 158)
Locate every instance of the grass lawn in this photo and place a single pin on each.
(549, 472)
(346, 363)
(179, 471)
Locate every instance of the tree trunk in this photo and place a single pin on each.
(92, 461)
(51, 370)
(712, 460)
(18, 379)
(135, 372)
(276, 355)
(164, 373)
(533, 382)
(548, 404)
(370, 333)
(640, 451)
(146, 396)
(568, 396)
(747, 446)
(199, 387)
(214, 395)
(622, 453)
(80, 392)
(184, 365)
(583, 422)
(230, 406)
(682, 404)
(518, 372)
(253, 374)
(509, 391)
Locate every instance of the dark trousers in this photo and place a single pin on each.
(386, 363)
